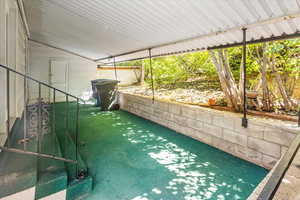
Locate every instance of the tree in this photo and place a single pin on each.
(284, 63)
(261, 58)
(227, 81)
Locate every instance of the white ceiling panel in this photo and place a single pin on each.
(106, 28)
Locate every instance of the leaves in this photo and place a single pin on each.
(172, 71)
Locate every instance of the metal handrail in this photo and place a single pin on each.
(14, 150)
(269, 190)
(40, 82)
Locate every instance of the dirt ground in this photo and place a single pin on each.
(182, 95)
(200, 96)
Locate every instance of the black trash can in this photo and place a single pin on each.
(106, 93)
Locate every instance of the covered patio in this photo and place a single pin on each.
(150, 148)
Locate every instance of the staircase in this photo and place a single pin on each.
(41, 149)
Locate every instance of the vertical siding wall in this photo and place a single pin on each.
(2, 72)
(80, 71)
(13, 44)
(261, 143)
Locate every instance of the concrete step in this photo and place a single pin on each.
(52, 174)
(81, 186)
(18, 172)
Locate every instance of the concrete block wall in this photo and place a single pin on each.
(262, 143)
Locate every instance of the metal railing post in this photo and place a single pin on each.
(66, 125)
(39, 119)
(39, 113)
(76, 136)
(25, 114)
(67, 114)
(53, 112)
(53, 116)
(244, 120)
(151, 73)
(7, 106)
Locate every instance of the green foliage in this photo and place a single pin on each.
(165, 71)
(172, 70)
(287, 55)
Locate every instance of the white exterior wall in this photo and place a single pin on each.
(13, 40)
(80, 73)
(125, 76)
(3, 12)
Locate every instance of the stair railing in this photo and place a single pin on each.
(39, 107)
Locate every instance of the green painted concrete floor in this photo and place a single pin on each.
(133, 158)
(17, 171)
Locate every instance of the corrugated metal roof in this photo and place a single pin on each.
(104, 28)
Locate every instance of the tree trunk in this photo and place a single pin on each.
(263, 63)
(226, 78)
(288, 104)
(241, 81)
(264, 84)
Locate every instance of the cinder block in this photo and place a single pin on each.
(264, 147)
(203, 137)
(212, 130)
(223, 145)
(172, 125)
(136, 99)
(253, 130)
(162, 106)
(165, 115)
(137, 105)
(268, 161)
(234, 137)
(175, 108)
(145, 115)
(248, 154)
(146, 101)
(192, 123)
(156, 120)
(147, 109)
(254, 156)
(189, 112)
(204, 116)
(187, 131)
(129, 103)
(180, 120)
(164, 123)
(224, 121)
(278, 136)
